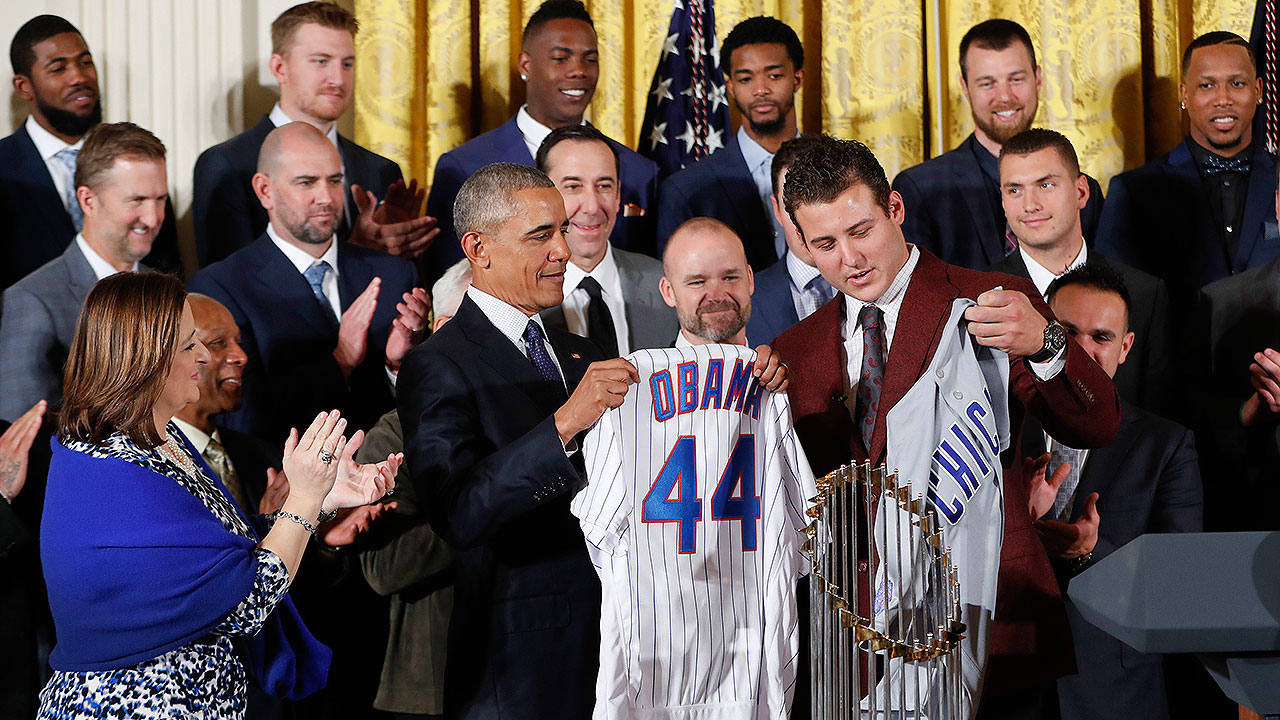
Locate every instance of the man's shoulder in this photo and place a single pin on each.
(972, 283)
(636, 262)
(633, 163)
(46, 279)
(14, 144)
(239, 151)
(234, 268)
(1153, 171)
(1164, 431)
(364, 154)
(1264, 278)
(773, 277)
(1137, 282)
(721, 161)
(383, 263)
(930, 172)
(496, 145)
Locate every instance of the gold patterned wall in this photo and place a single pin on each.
(432, 73)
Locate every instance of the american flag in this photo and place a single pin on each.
(687, 116)
(1266, 32)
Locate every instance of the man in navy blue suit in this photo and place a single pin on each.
(53, 71)
(791, 289)
(318, 317)
(764, 61)
(1202, 211)
(953, 201)
(560, 65)
(312, 57)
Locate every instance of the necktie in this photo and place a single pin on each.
(534, 343)
(1216, 164)
(1010, 241)
(820, 290)
(1065, 502)
(599, 320)
(216, 456)
(315, 278)
(67, 156)
(871, 379)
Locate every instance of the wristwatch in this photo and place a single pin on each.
(1055, 338)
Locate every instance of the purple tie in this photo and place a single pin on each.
(533, 342)
(871, 380)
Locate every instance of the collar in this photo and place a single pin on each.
(891, 300)
(606, 273)
(1200, 152)
(101, 268)
(47, 144)
(508, 319)
(278, 118)
(752, 152)
(989, 163)
(301, 259)
(801, 274)
(533, 131)
(1042, 276)
(681, 340)
(197, 437)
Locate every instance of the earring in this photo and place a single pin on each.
(1184, 106)
(524, 77)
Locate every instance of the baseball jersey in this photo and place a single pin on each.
(694, 515)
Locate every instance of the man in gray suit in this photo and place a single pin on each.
(122, 188)
(610, 295)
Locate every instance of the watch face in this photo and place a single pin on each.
(1055, 337)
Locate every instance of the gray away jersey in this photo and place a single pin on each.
(694, 515)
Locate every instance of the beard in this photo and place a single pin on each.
(768, 127)
(312, 233)
(1002, 133)
(65, 122)
(717, 331)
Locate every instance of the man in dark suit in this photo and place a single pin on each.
(54, 73)
(1202, 211)
(764, 61)
(559, 64)
(312, 57)
(953, 200)
(1043, 190)
(1145, 481)
(791, 289)
(852, 227)
(19, 566)
(611, 296)
(122, 189)
(492, 407)
(317, 316)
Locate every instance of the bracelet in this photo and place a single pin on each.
(296, 518)
(1079, 563)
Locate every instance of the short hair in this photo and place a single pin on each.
(448, 291)
(120, 355)
(785, 157)
(555, 10)
(1217, 37)
(324, 14)
(1037, 139)
(485, 200)
(696, 224)
(1097, 276)
(995, 34)
(22, 51)
(761, 29)
(826, 167)
(576, 133)
(106, 143)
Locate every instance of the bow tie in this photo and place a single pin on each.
(1216, 164)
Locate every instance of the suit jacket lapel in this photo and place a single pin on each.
(925, 307)
(31, 167)
(1206, 242)
(79, 271)
(1103, 463)
(288, 285)
(730, 175)
(1259, 204)
(978, 200)
(509, 364)
(354, 276)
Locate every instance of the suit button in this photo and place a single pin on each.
(957, 395)
(941, 374)
(862, 566)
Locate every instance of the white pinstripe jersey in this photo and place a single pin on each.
(694, 517)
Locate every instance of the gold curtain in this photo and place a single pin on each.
(432, 73)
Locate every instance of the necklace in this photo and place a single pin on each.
(175, 453)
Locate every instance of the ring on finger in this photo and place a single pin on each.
(326, 456)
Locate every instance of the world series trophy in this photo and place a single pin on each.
(885, 624)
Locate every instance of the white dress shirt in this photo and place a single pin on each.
(806, 300)
(101, 268)
(197, 437)
(48, 145)
(301, 259)
(576, 299)
(1042, 276)
(511, 322)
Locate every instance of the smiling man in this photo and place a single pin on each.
(953, 201)
(707, 280)
(1202, 211)
(764, 62)
(54, 73)
(559, 63)
(611, 295)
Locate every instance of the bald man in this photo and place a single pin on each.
(707, 280)
(323, 323)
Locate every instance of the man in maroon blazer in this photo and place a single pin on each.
(854, 358)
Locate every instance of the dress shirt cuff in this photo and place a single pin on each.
(1050, 368)
(391, 378)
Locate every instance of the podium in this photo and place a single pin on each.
(1213, 594)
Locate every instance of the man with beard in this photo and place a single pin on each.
(54, 73)
(764, 60)
(953, 201)
(707, 280)
(122, 188)
(318, 316)
(1201, 212)
(313, 59)
(559, 63)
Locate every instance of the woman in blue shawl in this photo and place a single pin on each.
(165, 601)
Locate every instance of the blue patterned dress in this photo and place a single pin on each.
(203, 679)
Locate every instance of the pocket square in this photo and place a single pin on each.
(632, 210)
